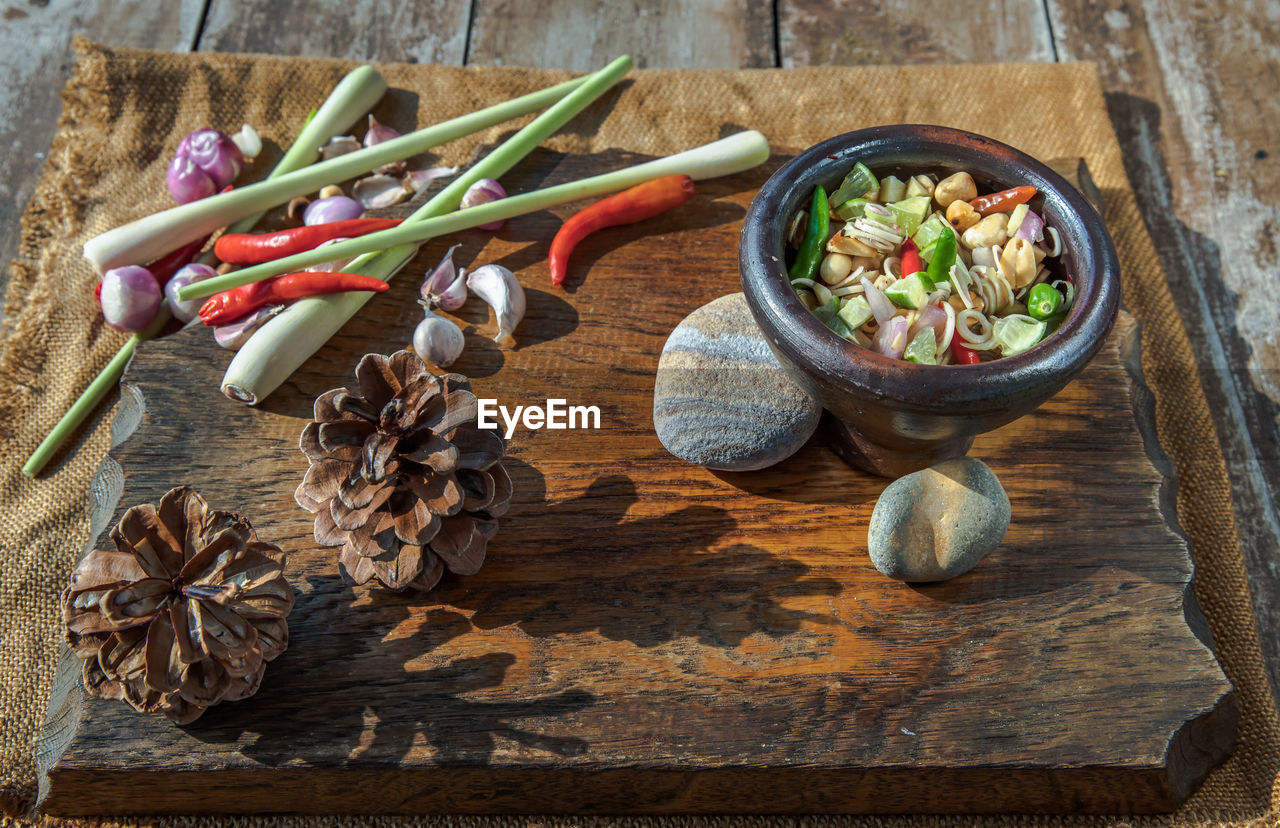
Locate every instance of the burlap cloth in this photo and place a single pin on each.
(124, 111)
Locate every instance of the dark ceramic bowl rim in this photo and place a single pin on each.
(1088, 252)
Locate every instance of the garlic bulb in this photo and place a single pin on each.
(499, 287)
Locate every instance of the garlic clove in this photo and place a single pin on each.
(418, 180)
(376, 191)
(445, 288)
(339, 145)
(378, 132)
(248, 141)
(499, 287)
(437, 340)
(231, 336)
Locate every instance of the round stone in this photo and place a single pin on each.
(720, 397)
(937, 523)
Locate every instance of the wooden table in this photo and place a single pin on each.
(1191, 89)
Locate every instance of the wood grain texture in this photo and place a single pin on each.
(35, 62)
(649, 636)
(583, 35)
(1190, 92)
(854, 32)
(434, 32)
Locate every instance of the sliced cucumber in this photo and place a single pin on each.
(923, 349)
(909, 292)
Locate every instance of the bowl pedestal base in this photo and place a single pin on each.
(856, 450)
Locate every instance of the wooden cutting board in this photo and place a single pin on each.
(650, 636)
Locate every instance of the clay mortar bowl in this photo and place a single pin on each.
(891, 417)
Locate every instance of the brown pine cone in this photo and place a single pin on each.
(183, 613)
(401, 475)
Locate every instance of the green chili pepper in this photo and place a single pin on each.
(944, 258)
(815, 238)
(1043, 301)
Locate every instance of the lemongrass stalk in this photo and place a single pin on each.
(728, 155)
(88, 400)
(354, 95)
(281, 349)
(149, 237)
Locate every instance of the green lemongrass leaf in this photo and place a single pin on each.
(152, 236)
(279, 347)
(354, 95)
(726, 156)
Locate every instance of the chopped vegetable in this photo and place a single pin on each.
(858, 183)
(909, 213)
(923, 348)
(892, 188)
(851, 209)
(908, 292)
(911, 262)
(1016, 333)
(230, 305)
(809, 256)
(1001, 201)
(829, 315)
(962, 353)
(1043, 301)
(943, 259)
(856, 312)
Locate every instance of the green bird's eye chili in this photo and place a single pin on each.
(1043, 301)
(815, 238)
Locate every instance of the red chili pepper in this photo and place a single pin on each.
(1001, 201)
(911, 262)
(250, 248)
(961, 353)
(170, 263)
(230, 305)
(627, 207)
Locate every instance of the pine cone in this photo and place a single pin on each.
(184, 613)
(402, 476)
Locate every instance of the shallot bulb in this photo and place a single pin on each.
(130, 298)
(206, 161)
(332, 208)
(438, 340)
(186, 275)
(482, 192)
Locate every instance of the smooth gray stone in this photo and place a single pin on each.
(720, 397)
(935, 524)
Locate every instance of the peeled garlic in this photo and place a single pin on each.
(499, 287)
(438, 340)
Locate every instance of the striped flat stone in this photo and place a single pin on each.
(720, 397)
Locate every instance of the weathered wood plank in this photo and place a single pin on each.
(434, 32)
(845, 32)
(1190, 92)
(647, 635)
(584, 34)
(35, 61)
